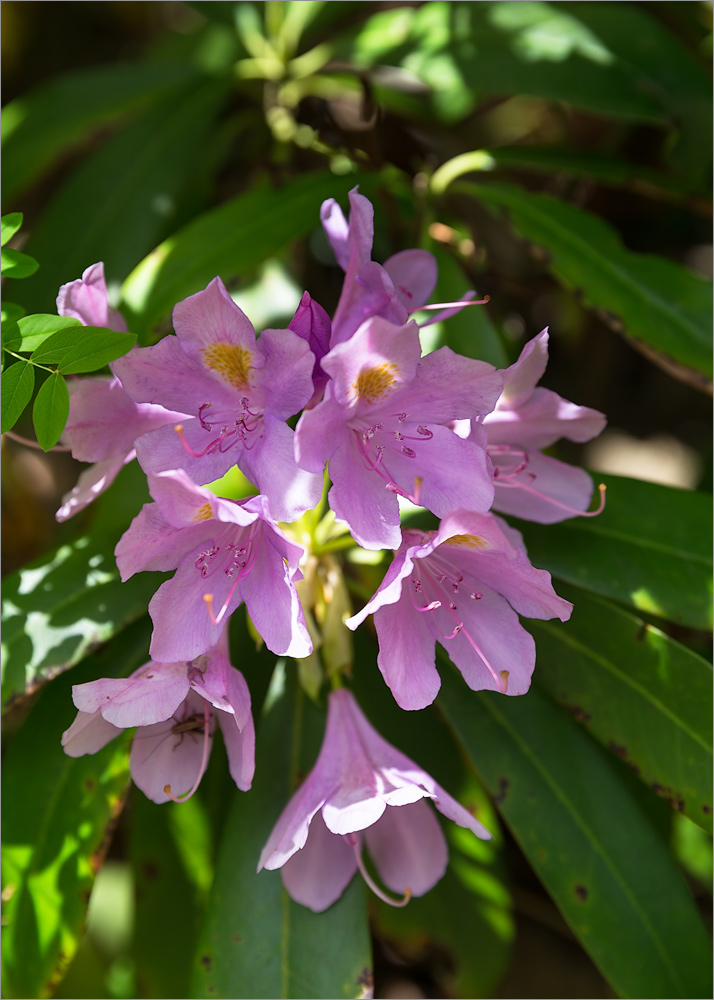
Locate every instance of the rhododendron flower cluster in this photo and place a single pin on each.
(389, 426)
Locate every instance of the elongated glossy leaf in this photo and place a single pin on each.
(58, 817)
(130, 193)
(38, 127)
(228, 241)
(10, 225)
(588, 841)
(83, 350)
(60, 608)
(256, 942)
(50, 411)
(650, 549)
(35, 329)
(643, 695)
(651, 299)
(18, 381)
(15, 264)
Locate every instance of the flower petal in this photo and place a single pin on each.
(413, 274)
(407, 653)
(152, 694)
(162, 757)
(240, 749)
(318, 874)
(408, 848)
(88, 733)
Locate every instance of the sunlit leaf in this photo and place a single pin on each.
(83, 350)
(35, 329)
(15, 264)
(587, 839)
(643, 695)
(10, 225)
(650, 549)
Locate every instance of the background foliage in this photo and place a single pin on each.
(553, 156)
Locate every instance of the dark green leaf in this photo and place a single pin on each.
(131, 193)
(650, 549)
(588, 841)
(651, 299)
(10, 225)
(50, 411)
(58, 818)
(40, 126)
(256, 942)
(18, 382)
(60, 608)
(229, 241)
(35, 329)
(85, 349)
(643, 695)
(15, 264)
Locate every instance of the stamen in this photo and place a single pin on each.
(204, 761)
(557, 503)
(452, 305)
(355, 845)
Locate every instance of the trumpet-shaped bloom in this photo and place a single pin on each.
(176, 707)
(362, 791)
(384, 428)
(526, 419)
(404, 283)
(460, 586)
(239, 392)
(225, 553)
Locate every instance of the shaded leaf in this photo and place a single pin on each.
(643, 695)
(228, 240)
(588, 841)
(40, 126)
(10, 225)
(129, 194)
(83, 350)
(15, 264)
(58, 609)
(58, 818)
(651, 299)
(649, 549)
(35, 329)
(256, 942)
(50, 410)
(18, 382)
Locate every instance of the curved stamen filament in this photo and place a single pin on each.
(380, 893)
(557, 503)
(204, 761)
(377, 465)
(250, 554)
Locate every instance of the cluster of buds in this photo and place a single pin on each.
(391, 426)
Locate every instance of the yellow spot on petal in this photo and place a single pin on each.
(203, 513)
(374, 383)
(233, 363)
(468, 541)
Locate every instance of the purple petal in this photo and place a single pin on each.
(87, 734)
(407, 653)
(414, 274)
(160, 756)
(162, 450)
(449, 387)
(312, 323)
(152, 694)
(547, 491)
(86, 300)
(183, 504)
(151, 543)
(408, 848)
(351, 244)
(286, 375)
(91, 483)
(318, 874)
(222, 685)
(360, 498)
(366, 293)
(522, 377)
(542, 419)
(240, 749)
(210, 318)
(319, 433)
(291, 830)
(271, 465)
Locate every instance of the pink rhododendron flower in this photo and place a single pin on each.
(86, 300)
(225, 552)
(361, 792)
(176, 707)
(460, 586)
(526, 419)
(383, 426)
(239, 392)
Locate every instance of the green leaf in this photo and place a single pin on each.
(11, 311)
(229, 241)
(35, 329)
(587, 840)
(14, 264)
(256, 942)
(649, 549)
(18, 382)
(50, 411)
(58, 818)
(60, 608)
(131, 193)
(10, 225)
(643, 695)
(40, 126)
(83, 350)
(655, 301)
